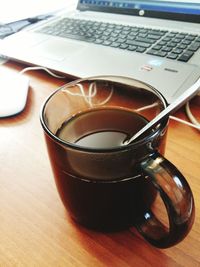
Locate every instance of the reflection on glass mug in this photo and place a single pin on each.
(105, 182)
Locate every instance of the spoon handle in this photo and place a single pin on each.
(187, 95)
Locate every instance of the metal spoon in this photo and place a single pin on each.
(182, 99)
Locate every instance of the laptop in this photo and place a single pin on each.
(155, 41)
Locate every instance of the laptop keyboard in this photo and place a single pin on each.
(170, 44)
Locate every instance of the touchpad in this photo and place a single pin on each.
(57, 49)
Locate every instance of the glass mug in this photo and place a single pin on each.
(106, 182)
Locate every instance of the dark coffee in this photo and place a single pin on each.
(100, 190)
(101, 128)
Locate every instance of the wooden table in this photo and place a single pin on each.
(35, 229)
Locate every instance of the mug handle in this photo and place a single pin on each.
(178, 199)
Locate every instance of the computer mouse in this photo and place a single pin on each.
(13, 93)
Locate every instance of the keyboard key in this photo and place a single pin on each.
(115, 44)
(172, 56)
(157, 53)
(187, 42)
(171, 34)
(194, 46)
(145, 40)
(143, 35)
(157, 32)
(113, 39)
(171, 44)
(153, 36)
(132, 47)
(157, 47)
(177, 40)
(166, 39)
(123, 46)
(120, 40)
(161, 54)
(166, 49)
(163, 43)
(107, 43)
(181, 35)
(177, 51)
(114, 34)
(98, 41)
(186, 56)
(140, 49)
(137, 43)
(190, 37)
(182, 46)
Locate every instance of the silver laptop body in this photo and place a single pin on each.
(77, 58)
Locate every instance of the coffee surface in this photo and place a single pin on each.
(101, 127)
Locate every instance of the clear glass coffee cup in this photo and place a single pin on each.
(105, 182)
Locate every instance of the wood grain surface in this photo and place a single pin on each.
(35, 229)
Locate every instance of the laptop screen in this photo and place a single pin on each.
(185, 10)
